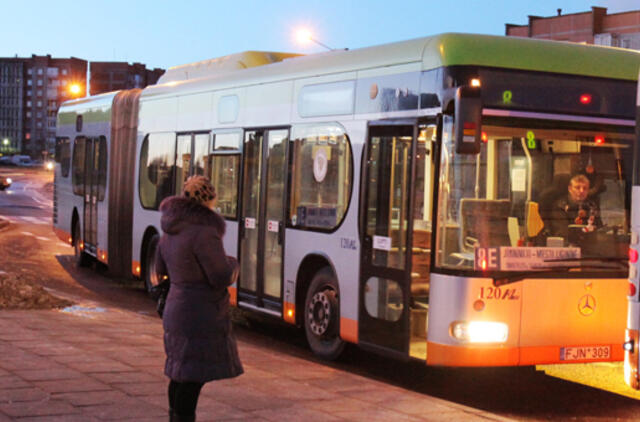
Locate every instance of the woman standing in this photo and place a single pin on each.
(198, 341)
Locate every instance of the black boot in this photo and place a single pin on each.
(183, 418)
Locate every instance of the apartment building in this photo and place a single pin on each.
(31, 90)
(113, 76)
(591, 27)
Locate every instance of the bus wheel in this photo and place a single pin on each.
(322, 316)
(150, 274)
(81, 258)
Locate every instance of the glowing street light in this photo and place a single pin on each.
(5, 141)
(304, 35)
(75, 89)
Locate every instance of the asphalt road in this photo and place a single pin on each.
(574, 392)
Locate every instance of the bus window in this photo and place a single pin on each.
(559, 189)
(183, 162)
(77, 177)
(63, 155)
(102, 167)
(157, 157)
(321, 176)
(200, 151)
(224, 172)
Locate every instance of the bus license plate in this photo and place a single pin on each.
(585, 353)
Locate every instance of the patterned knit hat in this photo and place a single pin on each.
(199, 189)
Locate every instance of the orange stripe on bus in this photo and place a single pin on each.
(289, 312)
(349, 330)
(447, 355)
(102, 256)
(233, 295)
(63, 235)
(135, 268)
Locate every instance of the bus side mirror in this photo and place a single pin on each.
(467, 125)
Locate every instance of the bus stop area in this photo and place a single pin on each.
(90, 362)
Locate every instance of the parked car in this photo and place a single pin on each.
(22, 160)
(5, 182)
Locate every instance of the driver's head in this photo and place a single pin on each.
(578, 188)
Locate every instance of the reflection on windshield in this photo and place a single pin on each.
(534, 195)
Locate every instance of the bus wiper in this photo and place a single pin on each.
(604, 264)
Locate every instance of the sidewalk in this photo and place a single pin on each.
(92, 364)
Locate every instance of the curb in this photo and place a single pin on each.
(4, 224)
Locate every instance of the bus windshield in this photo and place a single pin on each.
(539, 194)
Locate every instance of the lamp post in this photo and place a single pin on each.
(303, 36)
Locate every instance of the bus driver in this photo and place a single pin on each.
(575, 209)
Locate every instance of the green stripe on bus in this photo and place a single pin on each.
(531, 54)
(69, 118)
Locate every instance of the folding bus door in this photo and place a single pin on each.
(386, 256)
(92, 167)
(262, 219)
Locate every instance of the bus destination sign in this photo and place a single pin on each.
(507, 258)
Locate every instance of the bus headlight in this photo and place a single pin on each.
(480, 331)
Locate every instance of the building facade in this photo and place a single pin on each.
(113, 76)
(31, 90)
(591, 27)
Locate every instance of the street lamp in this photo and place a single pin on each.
(5, 141)
(303, 36)
(75, 89)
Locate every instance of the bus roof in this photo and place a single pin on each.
(449, 49)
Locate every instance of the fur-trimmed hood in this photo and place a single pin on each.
(179, 212)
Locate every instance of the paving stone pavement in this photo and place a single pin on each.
(97, 364)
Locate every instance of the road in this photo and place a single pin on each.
(574, 392)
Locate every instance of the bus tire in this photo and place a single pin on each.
(322, 315)
(150, 274)
(80, 257)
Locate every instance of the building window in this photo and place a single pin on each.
(29, 72)
(64, 71)
(39, 71)
(39, 82)
(29, 82)
(38, 103)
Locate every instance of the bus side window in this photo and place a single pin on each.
(157, 157)
(224, 171)
(77, 177)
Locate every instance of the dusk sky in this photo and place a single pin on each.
(162, 33)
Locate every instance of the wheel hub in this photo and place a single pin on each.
(319, 313)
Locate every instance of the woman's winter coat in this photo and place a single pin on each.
(198, 341)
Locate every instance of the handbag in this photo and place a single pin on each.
(159, 292)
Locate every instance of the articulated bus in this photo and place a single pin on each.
(412, 198)
(631, 344)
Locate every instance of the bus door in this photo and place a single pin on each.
(262, 219)
(385, 267)
(94, 172)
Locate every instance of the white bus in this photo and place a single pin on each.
(409, 198)
(631, 356)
